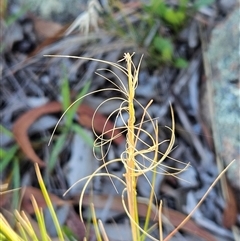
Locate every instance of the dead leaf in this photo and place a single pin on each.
(21, 126)
(45, 29)
(230, 211)
(46, 36)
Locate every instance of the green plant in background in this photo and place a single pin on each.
(10, 158)
(161, 48)
(146, 33)
(68, 126)
(175, 17)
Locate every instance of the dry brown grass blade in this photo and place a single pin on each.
(174, 217)
(21, 126)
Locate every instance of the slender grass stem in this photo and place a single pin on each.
(130, 167)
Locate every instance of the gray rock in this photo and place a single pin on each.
(226, 5)
(223, 55)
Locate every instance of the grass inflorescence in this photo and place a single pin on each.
(133, 129)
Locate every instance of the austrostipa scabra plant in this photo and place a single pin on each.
(130, 156)
(133, 128)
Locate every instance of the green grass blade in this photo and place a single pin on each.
(49, 203)
(40, 219)
(6, 156)
(57, 148)
(95, 223)
(26, 225)
(66, 97)
(148, 215)
(16, 182)
(81, 132)
(71, 112)
(69, 234)
(5, 131)
(7, 232)
(22, 232)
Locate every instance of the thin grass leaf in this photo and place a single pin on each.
(169, 237)
(57, 148)
(155, 159)
(69, 234)
(22, 232)
(66, 96)
(72, 111)
(40, 219)
(49, 203)
(26, 225)
(16, 182)
(150, 230)
(160, 222)
(95, 223)
(130, 151)
(5, 131)
(6, 156)
(81, 132)
(149, 210)
(7, 231)
(101, 227)
(65, 92)
(83, 92)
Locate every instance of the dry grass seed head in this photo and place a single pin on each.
(128, 158)
(87, 19)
